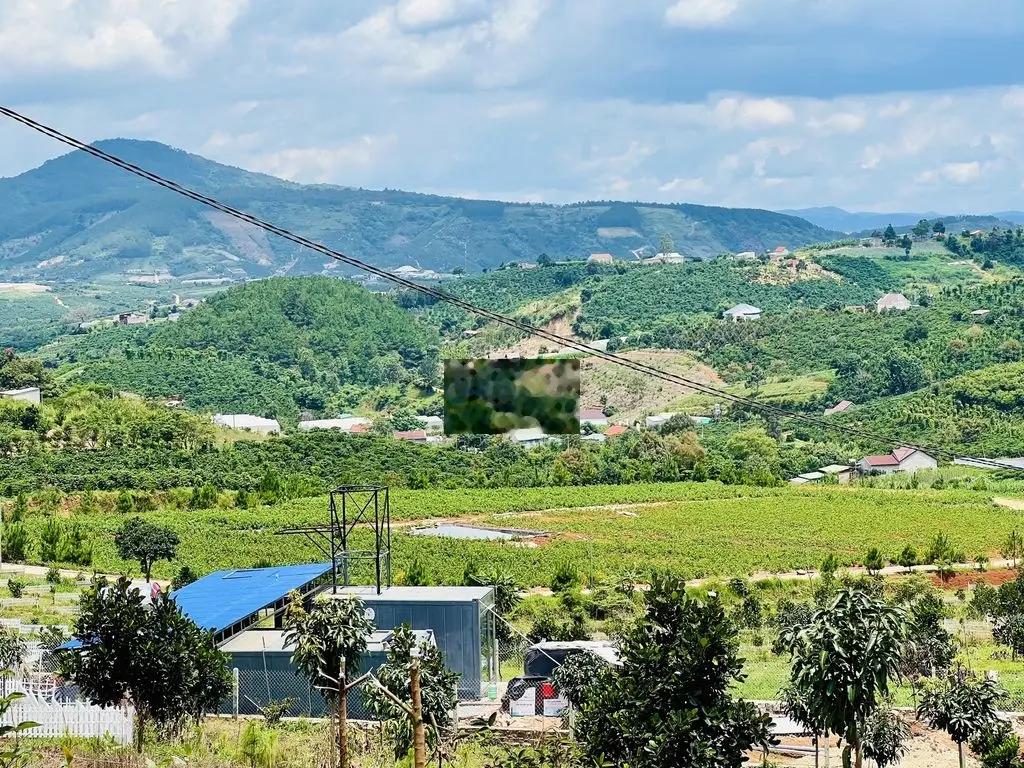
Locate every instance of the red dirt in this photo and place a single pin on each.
(963, 579)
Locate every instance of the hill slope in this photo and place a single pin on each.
(77, 218)
(269, 347)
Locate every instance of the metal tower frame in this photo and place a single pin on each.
(350, 506)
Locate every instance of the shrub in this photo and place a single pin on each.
(566, 577)
(16, 587)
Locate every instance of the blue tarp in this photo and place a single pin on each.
(224, 598)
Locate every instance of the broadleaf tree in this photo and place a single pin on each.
(844, 661)
(670, 702)
(150, 655)
(145, 542)
(962, 705)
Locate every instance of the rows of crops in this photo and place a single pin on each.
(696, 529)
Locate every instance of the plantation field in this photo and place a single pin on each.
(696, 529)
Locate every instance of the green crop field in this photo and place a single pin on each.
(695, 529)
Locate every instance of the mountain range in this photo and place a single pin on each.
(76, 218)
(839, 220)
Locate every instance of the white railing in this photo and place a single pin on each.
(74, 718)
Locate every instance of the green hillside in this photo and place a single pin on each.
(271, 347)
(78, 218)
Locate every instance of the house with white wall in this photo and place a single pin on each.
(905, 459)
(24, 395)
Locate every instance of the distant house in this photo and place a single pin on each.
(857, 308)
(24, 395)
(742, 312)
(361, 429)
(747, 255)
(808, 477)
(664, 258)
(594, 437)
(529, 438)
(842, 472)
(593, 417)
(412, 436)
(247, 422)
(781, 252)
(406, 269)
(615, 430)
(528, 265)
(905, 459)
(980, 312)
(893, 302)
(132, 318)
(658, 420)
(343, 424)
(838, 407)
(976, 233)
(471, 332)
(600, 258)
(431, 423)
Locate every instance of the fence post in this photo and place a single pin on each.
(234, 693)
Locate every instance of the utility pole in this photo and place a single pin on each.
(419, 740)
(342, 717)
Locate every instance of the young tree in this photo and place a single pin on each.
(153, 656)
(922, 227)
(438, 689)
(889, 236)
(843, 662)
(873, 561)
(885, 736)
(328, 640)
(1011, 548)
(670, 703)
(908, 557)
(145, 542)
(962, 705)
(929, 648)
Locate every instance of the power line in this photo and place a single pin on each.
(467, 306)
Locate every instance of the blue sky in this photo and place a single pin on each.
(865, 104)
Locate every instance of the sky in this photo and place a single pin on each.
(913, 105)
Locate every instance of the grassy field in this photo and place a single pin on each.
(696, 529)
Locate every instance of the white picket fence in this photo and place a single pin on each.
(76, 718)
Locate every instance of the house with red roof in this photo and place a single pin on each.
(905, 459)
(615, 430)
(412, 435)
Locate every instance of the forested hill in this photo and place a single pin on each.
(270, 347)
(78, 218)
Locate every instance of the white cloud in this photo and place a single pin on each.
(753, 113)
(324, 165)
(841, 122)
(416, 14)
(900, 108)
(515, 110)
(686, 186)
(156, 35)
(1014, 99)
(953, 173)
(701, 13)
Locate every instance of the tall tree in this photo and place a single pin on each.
(670, 703)
(922, 228)
(154, 657)
(146, 542)
(843, 662)
(962, 705)
(889, 235)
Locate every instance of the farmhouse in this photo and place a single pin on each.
(600, 258)
(980, 312)
(529, 438)
(842, 472)
(431, 423)
(746, 255)
(905, 459)
(893, 302)
(24, 395)
(248, 422)
(132, 318)
(412, 436)
(742, 312)
(342, 424)
(838, 407)
(615, 430)
(658, 420)
(593, 417)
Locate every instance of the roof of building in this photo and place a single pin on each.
(528, 435)
(892, 300)
(810, 476)
(360, 429)
(743, 309)
(603, 649)
(799, 480)
(273, 640)
(835, 469)
(225, 598)
(416, 594)
(411, 434)
(245, 421)
(22, 391)
(882, 460)
(616, 429)
(342, 423)
(838, 407)
(902, 454)
(594, 437)
(605, 257)
(980, 312)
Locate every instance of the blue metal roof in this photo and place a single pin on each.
(224, 598)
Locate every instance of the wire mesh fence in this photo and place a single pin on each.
(284, 692)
